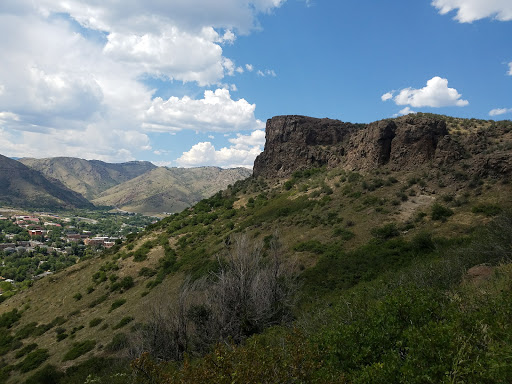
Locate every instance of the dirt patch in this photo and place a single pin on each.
(415, 203)
(478, 274)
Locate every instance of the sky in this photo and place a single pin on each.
(188, 83)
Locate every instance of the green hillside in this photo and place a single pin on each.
(328, 275)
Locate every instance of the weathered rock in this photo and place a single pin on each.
(299, 142)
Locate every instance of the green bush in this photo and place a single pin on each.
(386, 232)
(487, 209)
(124, 321)
(46, 375)
(26, 349)
(94, 322)
(61, 336)
(116, 304)
(8, 319)
(26, 330)
(440, 212)
(99, 300)
(33, 360)
(79, 349)
(118, 343)
(313, 246)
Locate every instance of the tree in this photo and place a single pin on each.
(250, 291)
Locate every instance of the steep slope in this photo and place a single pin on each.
(170, 189)
(24, 187)
(88, 177)
(358, 240)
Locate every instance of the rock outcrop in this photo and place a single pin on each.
(299, 142)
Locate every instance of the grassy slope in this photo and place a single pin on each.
(325, 221)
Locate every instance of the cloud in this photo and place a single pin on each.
(216, 112)
(471, 10)
(142, 16)
(249, 67)
(70, 73)
(267, 72)
(255, 139)
(499, 111)
(387, 96)
(204, 153)
(435, 94)
(173, 54)
(91, 143)
(405, 111)
(241, 153)
(510, 68)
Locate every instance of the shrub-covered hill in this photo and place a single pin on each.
(328, 276)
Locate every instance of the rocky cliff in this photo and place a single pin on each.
(408, 142)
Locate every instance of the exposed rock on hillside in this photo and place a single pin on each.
(407, 142)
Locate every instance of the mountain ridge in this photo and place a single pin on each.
(23, 186)
(295, 142)
(88, 177)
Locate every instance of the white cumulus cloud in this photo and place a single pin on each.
(70, 76)
(204, 153)
(387, 96)
(241, 153)
(499, 111)
(510, 68)
(254, 139)
(435, 94)
(217, 112)
(405, 111)
(471, 10)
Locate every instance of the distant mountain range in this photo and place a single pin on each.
(25, 187)
(169, 189)
(88, 177)
(136, 186)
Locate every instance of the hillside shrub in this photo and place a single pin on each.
(124, 321)
(119, 342)
(33, 360)
(116, 304)
(79, 349)
(6, 340)
(487, 209)
(8, 319)
(26, 330)
(386, 232)
(46, 375)
(94, 322)
(97, 301)
(26, 349)
(313, 246)
(440, 212)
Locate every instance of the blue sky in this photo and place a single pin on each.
(192, 82)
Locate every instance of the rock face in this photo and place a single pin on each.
(299, 142)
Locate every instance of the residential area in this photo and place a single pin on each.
(37, 244)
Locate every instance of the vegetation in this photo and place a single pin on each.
(329, 276)
(79, 349)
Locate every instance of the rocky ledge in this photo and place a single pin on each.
(405, 143)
